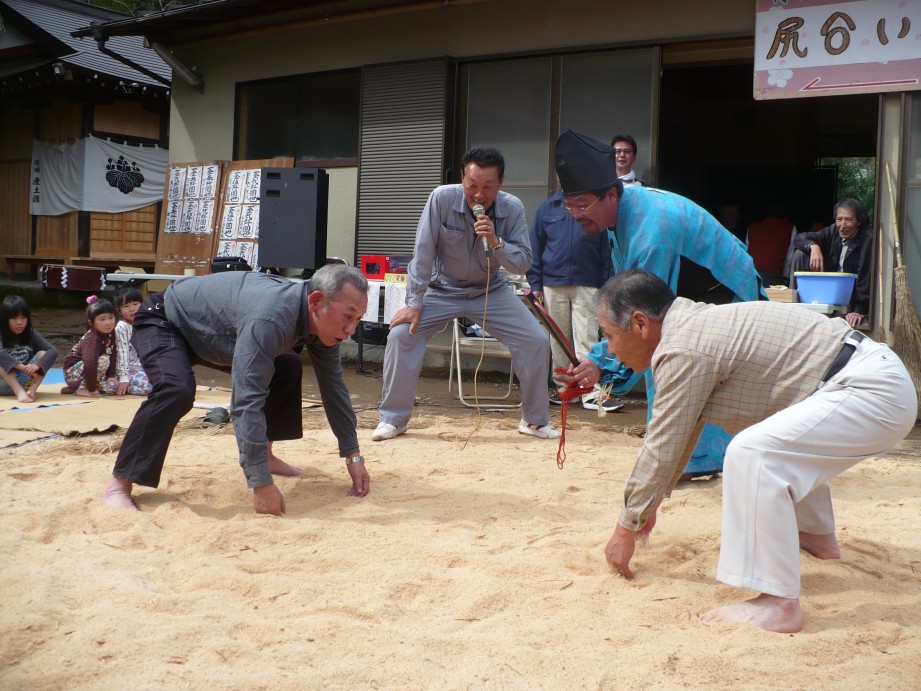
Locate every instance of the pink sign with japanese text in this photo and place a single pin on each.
(832, 47)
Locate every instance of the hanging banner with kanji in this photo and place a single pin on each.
(95, 175)
(834, 47)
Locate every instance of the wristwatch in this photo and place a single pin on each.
(354, 459)
(499, 245)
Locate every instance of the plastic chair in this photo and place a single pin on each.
(473, 346)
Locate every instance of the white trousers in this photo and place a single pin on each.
(776, 473)
(573, 309)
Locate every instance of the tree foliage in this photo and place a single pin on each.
(856, 179)
(139, 7)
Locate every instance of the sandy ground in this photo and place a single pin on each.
(474, 563)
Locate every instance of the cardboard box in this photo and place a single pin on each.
(781, 295)
(376, 266)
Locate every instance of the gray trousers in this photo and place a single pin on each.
(799, 262)
(507, 319)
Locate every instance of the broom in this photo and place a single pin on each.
(905, 328)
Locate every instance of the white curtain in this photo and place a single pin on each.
(95, 175)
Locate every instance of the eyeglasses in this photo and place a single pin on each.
(623, 152)
(579, 210)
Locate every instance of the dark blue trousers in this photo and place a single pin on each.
(168, 361)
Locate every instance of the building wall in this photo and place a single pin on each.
(201, 125)
(15, 122)
(15, 162)
(57, 236)
(112, 235)
(128, 118)
(62, 121)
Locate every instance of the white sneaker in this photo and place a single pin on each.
(547, 431)
(387, 431)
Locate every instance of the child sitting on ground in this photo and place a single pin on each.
(131, 376)
(89, 370)
(25, 356)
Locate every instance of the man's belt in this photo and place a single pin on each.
(850, 345)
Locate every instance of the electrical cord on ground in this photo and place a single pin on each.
(476, 371)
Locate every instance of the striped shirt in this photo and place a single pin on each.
(732, 365)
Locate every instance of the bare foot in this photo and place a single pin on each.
(820, 546)
(279, 467)
(769, 612)
(118, 494)
(66, 390)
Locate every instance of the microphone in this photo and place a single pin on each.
(479, 210)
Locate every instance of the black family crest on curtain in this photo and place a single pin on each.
(123, 176)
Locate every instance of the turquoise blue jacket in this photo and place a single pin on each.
(654, 230)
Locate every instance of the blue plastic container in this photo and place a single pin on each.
(827, 287)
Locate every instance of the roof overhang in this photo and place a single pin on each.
(213, 19)
(41, 60)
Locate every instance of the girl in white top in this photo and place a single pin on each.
(131, 376)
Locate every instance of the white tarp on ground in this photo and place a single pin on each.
(95, 175)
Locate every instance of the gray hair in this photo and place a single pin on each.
(332, 278)
(855, 207)
(634, 291)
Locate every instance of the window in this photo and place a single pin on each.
(509, 109)
(604, 94)
(310, 117)
(520, 106)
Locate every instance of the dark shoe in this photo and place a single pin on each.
(608, 403)
(216, 417)
(555, 399)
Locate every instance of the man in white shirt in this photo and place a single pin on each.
(624, 157)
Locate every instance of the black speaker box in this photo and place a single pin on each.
(292, 217)
(372, 333)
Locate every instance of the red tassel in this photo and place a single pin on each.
(571, 393)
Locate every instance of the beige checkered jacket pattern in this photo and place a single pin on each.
(732, 365)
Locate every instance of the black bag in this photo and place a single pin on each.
(219, 264)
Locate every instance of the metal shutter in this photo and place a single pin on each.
(401, 159)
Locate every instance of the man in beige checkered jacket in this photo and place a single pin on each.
(806, 396)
